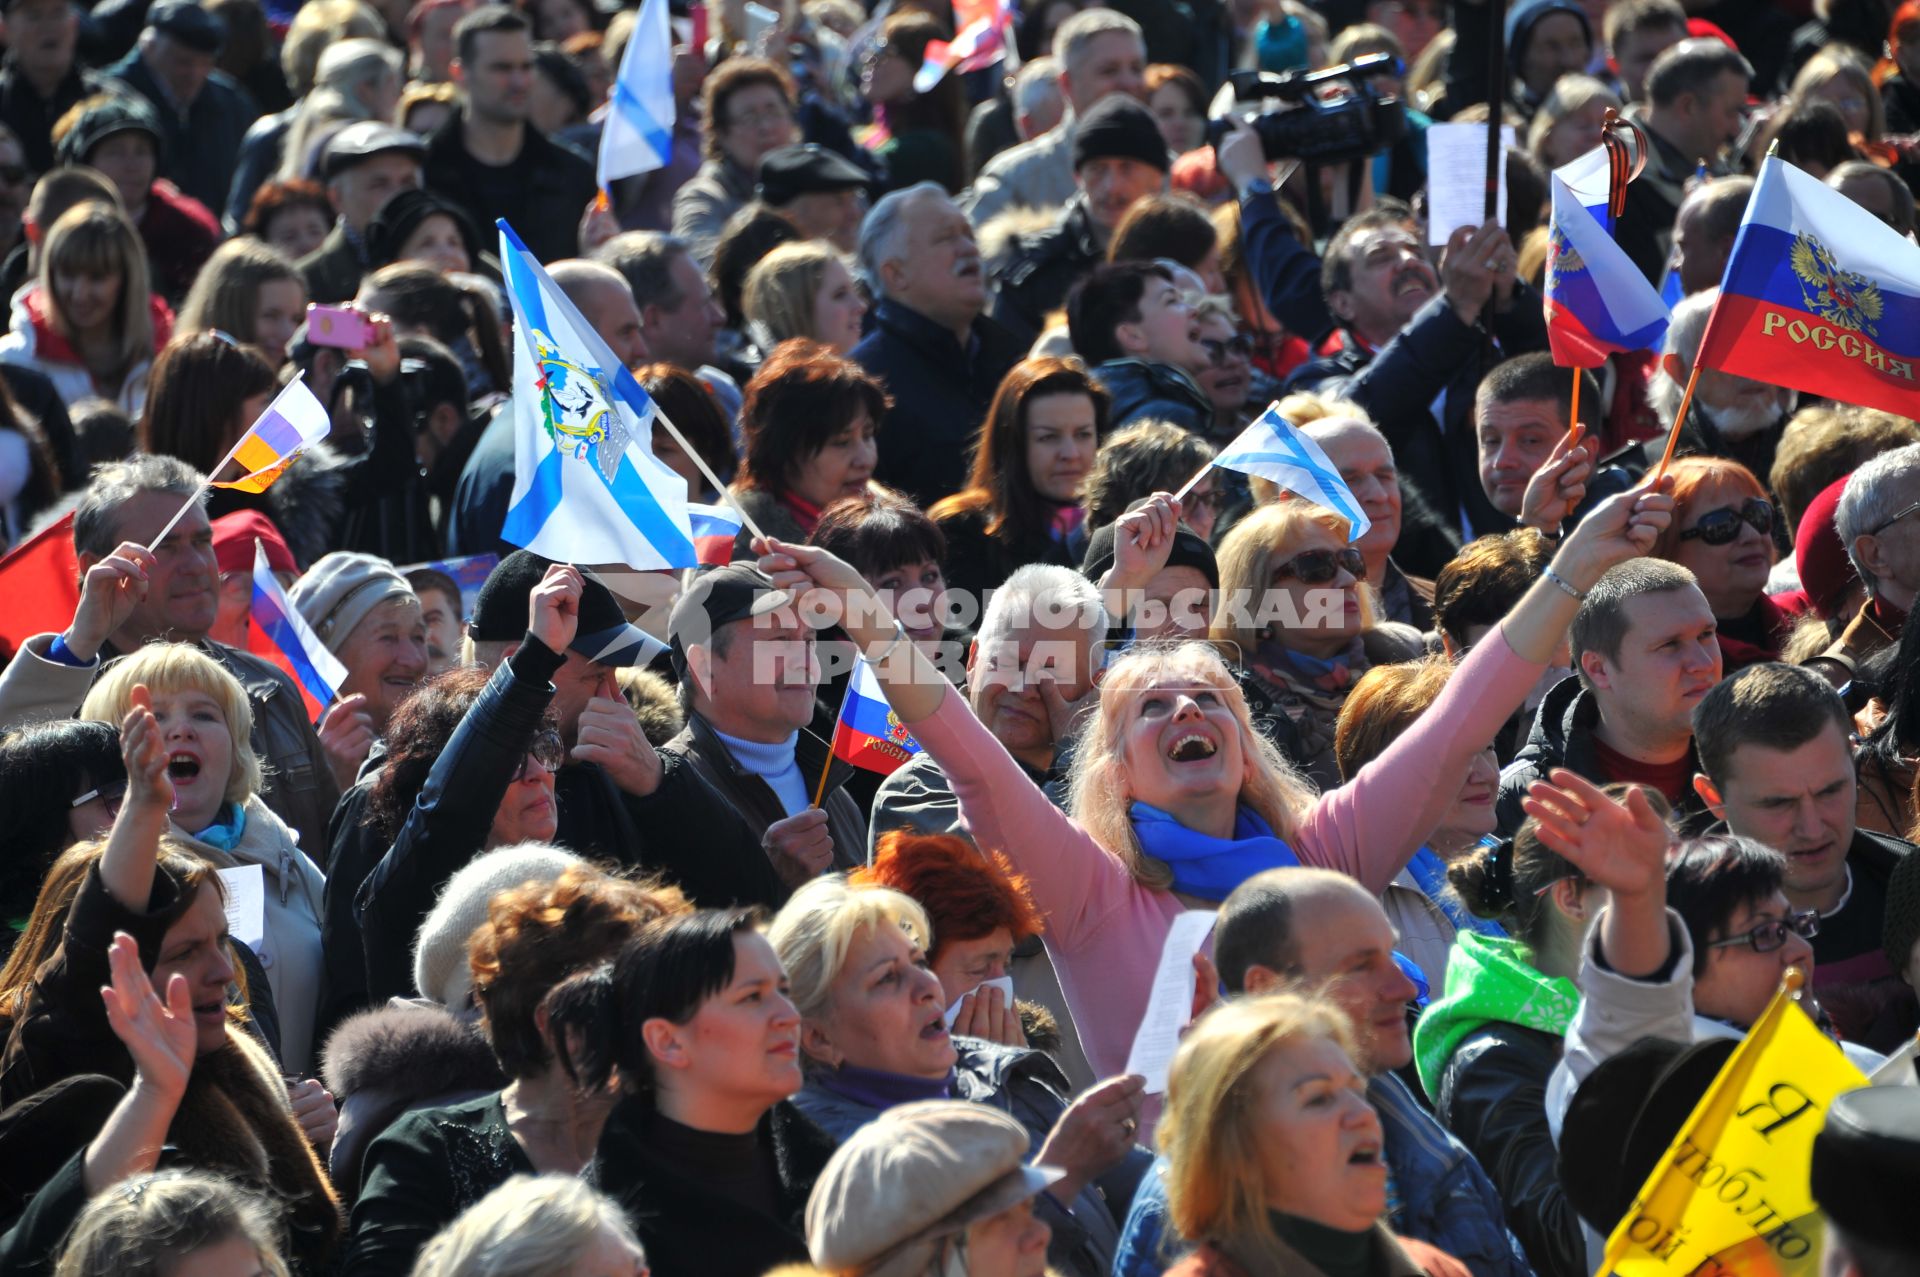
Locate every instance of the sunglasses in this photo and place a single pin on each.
(113, 793)
(1317, 567)
(1220, 349)
(1720, 527)
(1765, 937)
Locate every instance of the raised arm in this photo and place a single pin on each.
(1621, 846)
(160, 1037)
(126, 867)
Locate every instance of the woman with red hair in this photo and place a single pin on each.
(1900, 87)
(980, 910)
(1722, 532)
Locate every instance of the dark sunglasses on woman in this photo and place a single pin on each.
(1722, 526)
(1318, 567)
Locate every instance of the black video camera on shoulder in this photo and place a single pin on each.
(1320, 128)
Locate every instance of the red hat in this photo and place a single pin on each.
(1826, 573)
(234, 536)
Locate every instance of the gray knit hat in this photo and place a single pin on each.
(440, 970)
(338, 591)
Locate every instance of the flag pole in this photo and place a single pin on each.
(1573, 412)
(207, 481)
(1679, 420)
(820, 790)
(1192, 483)
(1496, 101)
(706, 471)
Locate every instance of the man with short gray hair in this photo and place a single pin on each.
(1100, 53)
(1878, 520)
(930, 343)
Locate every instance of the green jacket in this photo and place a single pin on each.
(1489, 979)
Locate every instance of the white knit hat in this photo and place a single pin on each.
(440, 969)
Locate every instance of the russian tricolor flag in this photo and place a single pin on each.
(868, 734)
(1819, 296)
(292, 423)
(1598, 302)
(715, 528)
(981, 42)
(282, 635)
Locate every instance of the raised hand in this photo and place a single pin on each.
(382, 354)
(346, 735)
(554, 606)
(314, 1110)
(1239, 155)
(1622, 527)
(161, 1036)
(610, 735)
(1476, 260)
(1143, 541)
(109, 592)
(145, 754)
(800, 847)
(1095, 1132)
(1558, 487)
(1621, 846)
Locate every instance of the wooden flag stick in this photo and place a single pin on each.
(1192, 483)
(1573, 413)
(1679, 420)
(661, 416)
(820, 790)
(1496, 101)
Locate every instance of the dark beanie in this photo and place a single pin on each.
(401, 216)
(1119, 128)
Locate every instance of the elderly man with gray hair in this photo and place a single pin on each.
(1878, 520)
(930, 341)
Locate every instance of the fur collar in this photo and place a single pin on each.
(408, 1047)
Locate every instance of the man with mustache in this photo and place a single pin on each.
(1410, 337)
(931, 342)
(1732, 417)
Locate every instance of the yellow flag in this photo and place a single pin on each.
(1731, 1196)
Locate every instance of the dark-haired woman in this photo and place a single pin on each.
(1487, 1047)
(810, 418)
(1021, 502)
(60, 784)
(685, 400)
(919, 135)
(703, 1149)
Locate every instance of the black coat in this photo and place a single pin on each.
(552, 186)
(334, 269)
(976, 562)
(940, 391)
(202, 147)
(1493, 1096)
(690, 1230)
(1041, 268)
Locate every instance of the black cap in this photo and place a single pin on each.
(1623, 1117)
(402, 214)
(605, 635)
(788, 172)
(188, 23)
(1119, 128)
(109, 113)
(1190, 550)
(720, 597)
(364, 139)
(1866, 1161)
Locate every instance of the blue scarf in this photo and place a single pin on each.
(1430, 874)
(1204, 866)
(225, 835)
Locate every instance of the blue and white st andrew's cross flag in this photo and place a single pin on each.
(586, 485)
(1276, 449)
(637, 134)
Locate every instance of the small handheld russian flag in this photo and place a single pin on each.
(869, 734)
(281, 635)
(715, 528)
(291, 424)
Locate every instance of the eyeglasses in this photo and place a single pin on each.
(765, 115)
(1884, 524)
(1317, 567)
(1215, 499)
(1220, 349)
(111, 794)
(1765, 937)
(545, 754)
(1720, 527)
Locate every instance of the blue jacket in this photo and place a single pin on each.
(1160, 392)
(1436, 1193)
(202, 145)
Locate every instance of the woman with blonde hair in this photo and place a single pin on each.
(1567, 125)
(173, 1223)
(1840, 76)
(803, 290)
(1276, 1161)
(1175, 800)
(1308, 624)
(91, 322)
(206, 723)
(356, 79)
(252, 292)
(536, 1226)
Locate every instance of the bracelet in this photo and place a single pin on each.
(886, 653)
(1579, 596)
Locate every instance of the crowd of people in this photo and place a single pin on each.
(566, 937)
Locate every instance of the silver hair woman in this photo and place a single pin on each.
(536, 1226)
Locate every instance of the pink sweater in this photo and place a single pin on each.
(1105, 930)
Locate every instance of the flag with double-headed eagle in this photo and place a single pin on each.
(1598, 303)
(1819, 296)
(586, 485)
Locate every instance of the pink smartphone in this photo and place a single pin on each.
(340, 326)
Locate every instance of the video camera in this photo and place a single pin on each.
(1317, 129)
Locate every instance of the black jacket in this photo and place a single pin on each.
(1562, 736)
(202, 146)
(551, 187)
(1146, 391)
(1398, 383)
(334, 269)
(689, 1229)
(1493, 1096)
(940, 391)
(32, 117)
(976, 562)
(1042, 267)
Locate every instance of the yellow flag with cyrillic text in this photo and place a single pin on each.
(1730, 1197)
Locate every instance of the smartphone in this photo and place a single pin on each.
(339, 326)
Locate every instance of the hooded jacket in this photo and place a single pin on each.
(1485, 1052)
(1562, 736)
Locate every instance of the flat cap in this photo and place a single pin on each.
(1866, 1160)
(364, 139)
(788, 172)
(188, 23)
